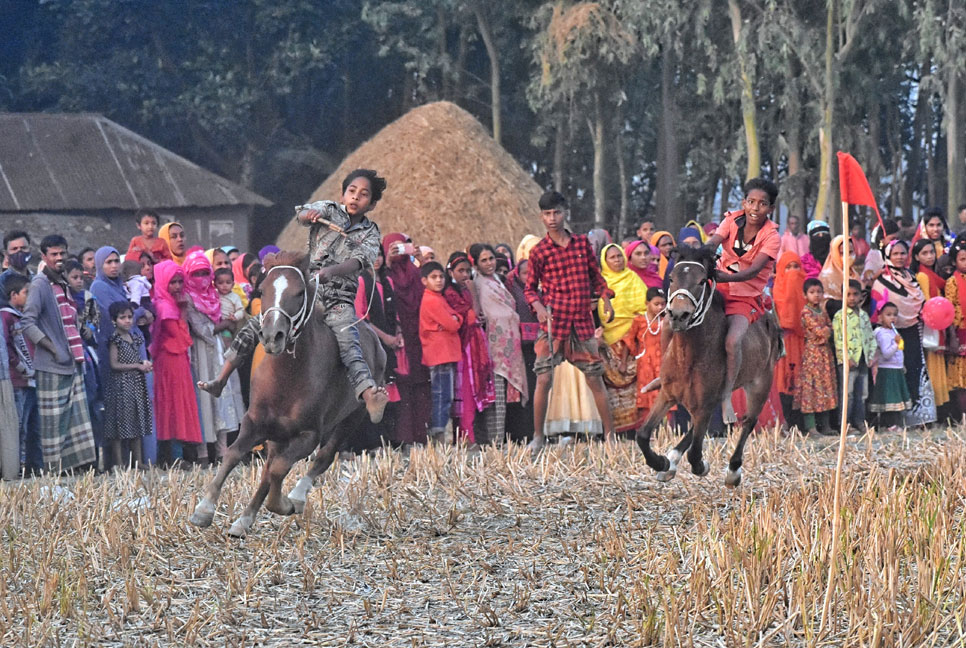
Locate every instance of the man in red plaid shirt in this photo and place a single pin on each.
(563, 286)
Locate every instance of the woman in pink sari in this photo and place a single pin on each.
(642, 259)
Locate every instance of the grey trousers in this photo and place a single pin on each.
(341, 318)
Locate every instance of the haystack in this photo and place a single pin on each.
(449, 183)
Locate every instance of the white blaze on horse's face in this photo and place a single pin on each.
(281, 305)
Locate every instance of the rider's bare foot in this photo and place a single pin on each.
(376, 400)
(214, 387)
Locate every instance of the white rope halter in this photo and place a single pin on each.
(296, 323)
(701, 304)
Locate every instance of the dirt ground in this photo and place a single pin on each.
(455, 547)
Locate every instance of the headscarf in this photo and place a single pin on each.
(201, 289)
(662, 260)
(789, 297)
(165, 305)
(405, 276)
(709, 230)
(702, 235)
(107, 290)
(238, 272)
(648, 275)
(265, 251)
(630, 297)
(509, 253)
(165, 234)
(210, 255)
(831, 275)
(527, 243)
(599, 238)
(424, 249)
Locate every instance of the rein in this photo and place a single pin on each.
(701, 304)
(296, 323)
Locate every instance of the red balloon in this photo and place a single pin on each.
(938, 313)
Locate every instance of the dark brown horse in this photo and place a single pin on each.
(300, 397)
(693, 367)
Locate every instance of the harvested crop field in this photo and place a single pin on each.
(455, 547)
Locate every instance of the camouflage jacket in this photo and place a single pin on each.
(327, 248)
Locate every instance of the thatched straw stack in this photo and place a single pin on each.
(450, 183)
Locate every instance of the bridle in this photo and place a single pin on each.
(296, 323)
(701, 304)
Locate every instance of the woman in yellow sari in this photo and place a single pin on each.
(620, 373)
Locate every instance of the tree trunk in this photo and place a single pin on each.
(917, 158)
(666, 194)
(955, 163)
(443, 54)
(596, 126)
(621, 175)
(794, 187)
(747, 96)
(826, 159)
(486, 34)
(559, 141)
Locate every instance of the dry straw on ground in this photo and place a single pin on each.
(450, 183)
(453, 547)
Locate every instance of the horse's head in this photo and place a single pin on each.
(690, 286)
(286, 299)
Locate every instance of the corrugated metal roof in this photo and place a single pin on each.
(86, 161)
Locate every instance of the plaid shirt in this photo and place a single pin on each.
(568, 282)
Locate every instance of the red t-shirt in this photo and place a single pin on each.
(158, 248)
(766, 242)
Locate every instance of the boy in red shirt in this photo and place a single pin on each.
(750, 244)
(149, 241)
(439, 334)
(563, 286)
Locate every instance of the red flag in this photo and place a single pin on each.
(853, 185)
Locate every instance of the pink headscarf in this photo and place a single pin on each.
(649, 276)
(164, 304)
(201, 289)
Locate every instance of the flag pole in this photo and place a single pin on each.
(844, 423)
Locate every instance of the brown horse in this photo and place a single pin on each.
(300, 397)
(693, 368)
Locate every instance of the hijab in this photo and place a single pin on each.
(690, 232)
(405, 276)
(238, 272)
(662, 260)
(648, 275)
(630, 297)
(165, 234)
(105, 289)
(201, 289)
(527, 243)
(702, 235)
(904, 290)
(818, 240)
(265, 251)
(831, 275)
(165, 305)
(788, 293)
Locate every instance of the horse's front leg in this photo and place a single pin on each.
(660, 409)
(757, 394)
(298, 448)
(240, 527)
(323, 459)
(699, 428)
(248, 437)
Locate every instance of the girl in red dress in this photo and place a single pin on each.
(175, 405)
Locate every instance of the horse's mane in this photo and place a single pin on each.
(285, 257)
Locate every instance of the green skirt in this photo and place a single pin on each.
(890, 393)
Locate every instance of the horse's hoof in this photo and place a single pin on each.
(673, 457)
(240, 527)
(733, 478)
(666, 475)
(298, 505)
(204, 514)
(701, 470)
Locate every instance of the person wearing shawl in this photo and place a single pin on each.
(173, 234)
(664, 242)
(50, 323)
(922, 267)
(239, 268)
(789, 302)
(641, 259)
(819, 240)
(629, 301)
(218, 416)
(505, 344)
(108, 288)
(412, 377)
(527, 243)
(832, 274)
(897, 285)
(692, 236)
(520, 420)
